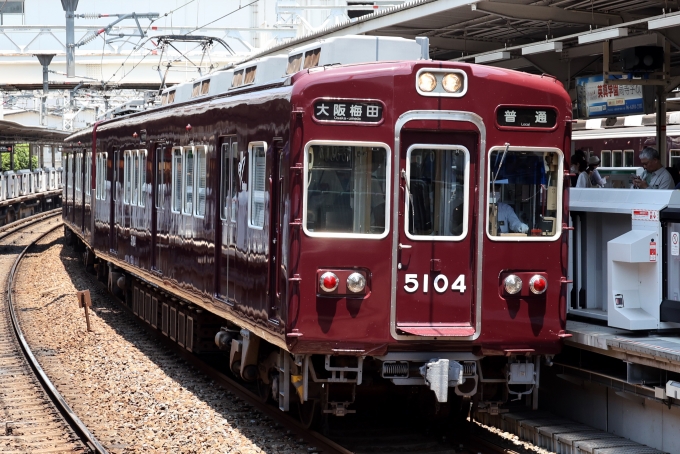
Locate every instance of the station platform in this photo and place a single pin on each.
(660, 349)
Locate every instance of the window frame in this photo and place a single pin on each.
(466, 194)
(627, 162)
(388, 189)
(614, 154)
(88, 174)
(560, 190)
(134, 171)
(127, 183)
(251, 185)
(174, 189)
(159, 199)
(609, 158)
(184, 210)
(198, 149)
(142, 154)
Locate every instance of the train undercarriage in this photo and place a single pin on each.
(434, 384)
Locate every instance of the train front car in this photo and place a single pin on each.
(423, 240)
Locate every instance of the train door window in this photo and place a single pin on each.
(116, 169)
(88, 174)
(224, 181)
(101, 175)
(674, 158)
(201, 180)
(628, 158)
(347, 189)
(142, 178)
(606, 158)
(617, 160)
(127, 167)
(188, 179)
(134, 173)
(177, 179)
(235, 180)
(256, 182)
(524, 196)
(160, 182)
(437, 203)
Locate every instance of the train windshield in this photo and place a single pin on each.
(525, 193)
(346, 189)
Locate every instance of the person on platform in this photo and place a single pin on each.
(595, 179)
(576, 159)
(584, 175)
(655, 176)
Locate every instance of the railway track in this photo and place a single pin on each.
(35, 418)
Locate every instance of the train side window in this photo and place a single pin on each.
(524, 195)
(127, 177)
(160, 172)
(628, 158)
(196, 90)
(674, 158)
(347, 189)
(177, 164)
(201, 180)
(134, 173)
(312, 58)
(438, 184)
(205, 87)
(142, 178)
(101, 176)
(164, 99)
(257, 152)
(617, 158)
(188, 180)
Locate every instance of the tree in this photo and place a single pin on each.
(20, 158)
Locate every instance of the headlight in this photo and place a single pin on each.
(513, 284)
(356, 282)
(427, 82)
(452, 83)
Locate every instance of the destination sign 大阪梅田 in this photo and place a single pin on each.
(348, 111)
(526, 117)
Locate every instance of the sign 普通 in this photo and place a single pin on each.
(526, 117)
(348, 111)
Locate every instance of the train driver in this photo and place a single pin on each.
(507, 220)
(655, 176)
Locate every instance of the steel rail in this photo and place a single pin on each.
(69, 415)
(14, 227)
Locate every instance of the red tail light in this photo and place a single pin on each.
(538, 284)
(328, 282)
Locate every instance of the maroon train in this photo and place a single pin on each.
(340, 228)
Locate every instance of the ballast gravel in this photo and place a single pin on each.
(133, 394)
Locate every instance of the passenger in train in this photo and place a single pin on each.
(655, 176)
(576, 159)
(595, 179)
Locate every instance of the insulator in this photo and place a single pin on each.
(89, 38)
(394, 369)
(89, 16)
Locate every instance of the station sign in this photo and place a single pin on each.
(526, 117)
(597, 99)
(6, 148)
(338, 110)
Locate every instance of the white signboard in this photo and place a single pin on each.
(675, 247)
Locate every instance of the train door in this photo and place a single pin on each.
(115, 198)
(273, 162)
(228, 207)
(435, 232)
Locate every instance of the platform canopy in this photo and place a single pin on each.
(559, 37)
(12, 133)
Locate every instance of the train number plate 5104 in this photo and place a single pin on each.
(440, 283)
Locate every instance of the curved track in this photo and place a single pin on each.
(35, 416)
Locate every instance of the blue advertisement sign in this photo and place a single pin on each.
(597, 99)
